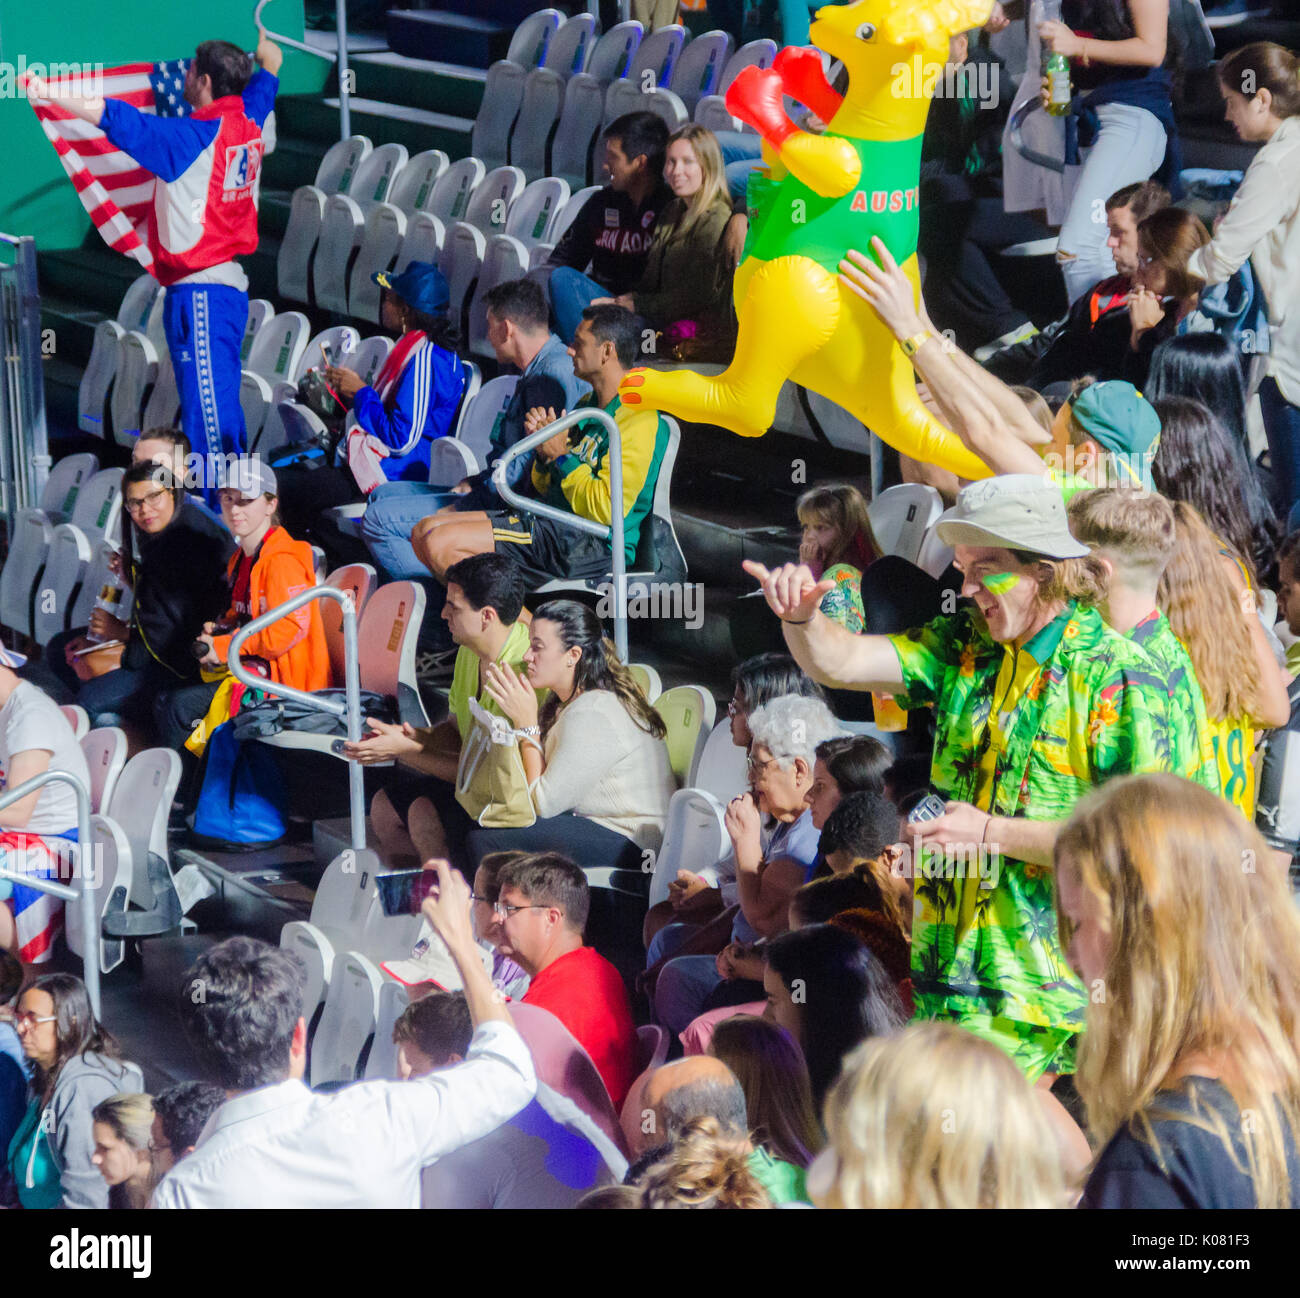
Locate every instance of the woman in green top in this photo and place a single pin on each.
(838, 544)
(685, 289)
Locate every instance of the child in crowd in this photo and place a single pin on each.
(838, 545)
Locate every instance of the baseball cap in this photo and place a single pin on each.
(1117, 417)
(422, 286)
(11, 658)
(250, 475)
(1014, 511)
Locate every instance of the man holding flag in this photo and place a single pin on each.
(195, 191)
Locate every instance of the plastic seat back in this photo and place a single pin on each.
(625, 97)
(358, 579)
(414, 184)
(535, 211)
(104, 749)
(65, 569)
(370, 356)
(699, 68)
(423, 242)
(687, 711)
(902, 515)
(260, 313)
(59, 495)
(137, 368)
(97, 377)
(99, 505)
(109, 878)
(460, 262)
(376, 172)
(613, 53)
(381, 242)
(493, 199)
(657, 55)
(387, 635)
(575, 139)
(482, 414)
(721, 769)
(505, 258)
(298, 244)
(28, 547)
(502, 96)
(451, 195)
(341, 232)
(758, 54)
(539, 116)
(338, 341)
(141, 804)
(694, 831)
(340, 163)
(163, 408)
(648, 679)
(450, 462)
(532, 37)
(79, 719)
(571, 46)
(279, 346)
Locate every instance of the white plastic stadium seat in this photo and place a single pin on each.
(648, 679)
(712, 113)
(92, 393)
(28, 547)
(657, 54)
(721, 769)
(369, 356)
(626, 97)
(572, 45)
(505, 258)
(532, 37)
(137, 369)
(411, 189)
(59, 495)
(255, 402)
(699, 68)
(451, 195)
(450, 462)
(78, 718)
(110, 883)
(758, 54)
(141, 804)
(260, 312)
(423, 242)
(358, 579)
(338, 340)
(482, 413)
(536, 123)
(569, 214)
(460, 262)
(900, 517)
(534, 213)
(695, 838)
(105, 752)
(688, 712)
(495, 196)
(163, 408)
(613, 53)
(382, 1062)
(339, 165)
(347, 1022)
(934, 555)
(68, 560)
(381, 243)
(502, 96)
(575, 139)
(471, 382)
(98, 574)
(279, 346)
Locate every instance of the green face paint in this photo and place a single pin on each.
(1000, 583)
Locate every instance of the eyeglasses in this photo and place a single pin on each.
(136, 505)
(756, 767)
(506, 911)
(30, 1019)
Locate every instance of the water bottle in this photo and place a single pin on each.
(1059, 90)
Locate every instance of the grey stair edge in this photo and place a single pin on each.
(405, 113)
(390, 58)
(447, 18)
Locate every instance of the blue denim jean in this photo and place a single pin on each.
(392, 512)
(572, 293)
(1282, 427)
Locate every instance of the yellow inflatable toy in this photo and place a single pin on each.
(820, 196)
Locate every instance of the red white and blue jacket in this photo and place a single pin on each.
(208, 165)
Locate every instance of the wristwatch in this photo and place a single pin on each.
(914, 344)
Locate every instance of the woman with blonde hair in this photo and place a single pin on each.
(123, 1132)
(705, 1167)
(935, 1117)
(838, 545)
(1172, 913)
(1205, 593)
(685, 289)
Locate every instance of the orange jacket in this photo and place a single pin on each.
(295, 645)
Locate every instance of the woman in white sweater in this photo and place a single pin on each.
(595, 755)
(1260, 85)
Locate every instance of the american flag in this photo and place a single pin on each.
(114, 190)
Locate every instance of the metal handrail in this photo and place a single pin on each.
(350, 709)
(613, 533)
(339, 59)
(89, 926)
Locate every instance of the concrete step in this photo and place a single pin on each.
(308, 118)
(466, 39)
(419, 83)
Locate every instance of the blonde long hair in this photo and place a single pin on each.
(1204, 959)
(705, 1167)
(713, 190)
(842, 506)
(130, 1115)
(935, 1117)
(1204, 610)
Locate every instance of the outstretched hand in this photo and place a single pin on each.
(883, 285)
(447, 908)
(791, 591)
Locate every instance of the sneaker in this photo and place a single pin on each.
(1026, 331)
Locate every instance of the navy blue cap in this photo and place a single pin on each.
(422, 286)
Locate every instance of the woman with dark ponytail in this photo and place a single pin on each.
(594, 752)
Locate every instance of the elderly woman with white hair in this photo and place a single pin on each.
(774, 852)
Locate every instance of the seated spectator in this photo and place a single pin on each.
(844, 996)
(1133, 534)
(1097, 326)
(174, 559)
(1200, 1106)
(170, 448)
(543, 905)
(573, 478)
(179, 1115)
(418, 813)
(267, 569)
(1197, 462)
(521, 339)
(768, 1064)
(1205, 368)
(1288, 596)
(612, 234)
(933, 1117)
(37, 833)
(122, 1126)
(685, 289)
(76, 1064)
(705, 1167)
(1210, 610)
(602, 804)
(838, 545)
(786, 733)
(862, 829)
(880, 932)
(276, 1144)
(844, 765)
(547, 1156)
(704, 1089)
(411, 403)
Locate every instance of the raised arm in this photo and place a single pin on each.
(824, 649)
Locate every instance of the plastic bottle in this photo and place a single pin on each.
(110, 600)
(1060, 91)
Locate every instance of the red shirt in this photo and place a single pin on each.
(586, 993)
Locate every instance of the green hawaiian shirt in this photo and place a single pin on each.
(1094, 710)
(1191, 740)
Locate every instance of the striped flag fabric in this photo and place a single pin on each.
(115, 191)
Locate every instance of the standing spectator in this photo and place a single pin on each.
(276, 1144)
(179, 1115)
(37, 832)
(685, 289)
(1260, 85)
(933, 1117)
(547, 1156)
(603, 804)
(827, 990)
(1170, 902)
(207, 167)
(838, 544)
(543, 907)
(1119, 63)
(612, 233)
(984, 950)
(76, 1064)
(123, 1148)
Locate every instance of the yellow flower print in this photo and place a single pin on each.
(1071, 629)
(1103, 715)
(966, 667)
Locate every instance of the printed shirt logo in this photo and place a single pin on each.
(611, 218)
(893, 200)
(243, 162)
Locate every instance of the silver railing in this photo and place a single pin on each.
(349, 709)
(24, 445)
(339, 58)
(84, 894)
(613, 533)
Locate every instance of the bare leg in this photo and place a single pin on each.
(395, 844)
(427, 833)
(441, 541)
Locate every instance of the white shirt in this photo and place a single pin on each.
(30, 719)
(362, 1147)
(1263, 223)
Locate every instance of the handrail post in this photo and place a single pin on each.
(85, 850)
(345, 90)
(350, 710)
(613, 533)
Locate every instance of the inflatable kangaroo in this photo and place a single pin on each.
(820, 196)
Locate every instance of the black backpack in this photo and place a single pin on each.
(273, 715)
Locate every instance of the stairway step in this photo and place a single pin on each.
(455, 38)
(416, 128)
(420, 83)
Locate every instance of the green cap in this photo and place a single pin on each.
(1116, 416)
